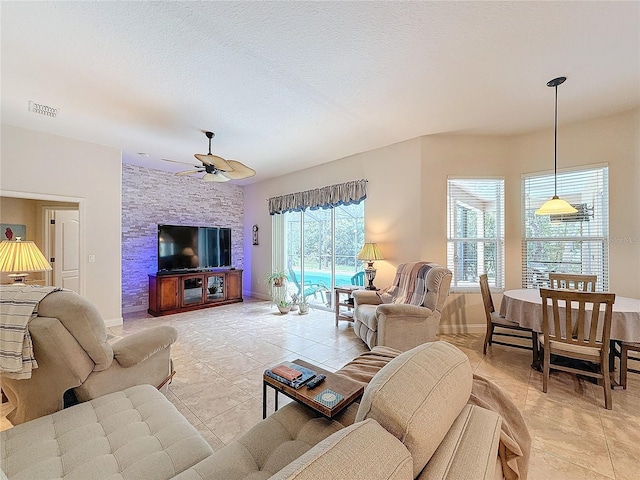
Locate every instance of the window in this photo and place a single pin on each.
(475, 231)
(575, 243)
(321, 248)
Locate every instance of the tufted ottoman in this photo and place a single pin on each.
(135, 433)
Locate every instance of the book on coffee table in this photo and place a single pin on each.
(304, 374)
(287, 372)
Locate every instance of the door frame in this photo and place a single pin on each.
(47, 212)
(81, 216)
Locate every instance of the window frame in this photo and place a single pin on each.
(286, 242)
(455, 202)
(594, 247)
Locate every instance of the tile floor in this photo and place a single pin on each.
(223, 351)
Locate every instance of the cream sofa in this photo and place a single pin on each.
(412, 422)
(410, 315)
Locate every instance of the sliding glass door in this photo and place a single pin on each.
(321, 247)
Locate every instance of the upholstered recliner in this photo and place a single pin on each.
(71, 348)
(406, 314)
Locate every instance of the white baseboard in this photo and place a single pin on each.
(113, 322)
(259, 296)
(136, 309)
(473, 328)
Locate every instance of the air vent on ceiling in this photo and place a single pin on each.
(45, 110)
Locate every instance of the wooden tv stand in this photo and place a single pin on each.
(182, 292)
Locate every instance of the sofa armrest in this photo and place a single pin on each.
(362, 451)
(365, 297)
(403, 310)
(403, 326)
(475, 434)
(134, 349)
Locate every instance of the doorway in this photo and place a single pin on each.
(35, 211)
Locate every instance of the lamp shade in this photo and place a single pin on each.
(21, 256)
(370, 252)
(556, 206)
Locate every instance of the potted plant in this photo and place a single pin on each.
(276, 279)
(294, 302)
(284, 306)
(303, 306)
(276, 284)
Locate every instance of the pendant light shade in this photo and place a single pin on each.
(556, 205)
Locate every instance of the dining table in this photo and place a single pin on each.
(524, 306)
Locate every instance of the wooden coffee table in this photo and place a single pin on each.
(349, 389)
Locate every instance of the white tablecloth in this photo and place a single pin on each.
(524, 306)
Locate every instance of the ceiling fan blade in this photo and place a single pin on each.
(240, 171)
(175, 161)
(188, 172)
(218, 162)
(214, 177)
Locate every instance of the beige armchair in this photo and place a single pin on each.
(70, 345)
(408, 313)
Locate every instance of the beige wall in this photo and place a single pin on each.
(405, 212)
(392, 210)
(462, 156)
(406, 206)
(48, 167)
(613, 140)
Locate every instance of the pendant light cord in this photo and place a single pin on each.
(555, 148)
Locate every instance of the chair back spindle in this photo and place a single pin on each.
(584, 283)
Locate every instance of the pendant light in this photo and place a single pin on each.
(556, 205)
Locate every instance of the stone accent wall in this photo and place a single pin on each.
(151, 197)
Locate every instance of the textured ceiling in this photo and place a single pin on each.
(289, 85)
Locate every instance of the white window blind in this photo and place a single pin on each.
(475, 231)
(575, 243)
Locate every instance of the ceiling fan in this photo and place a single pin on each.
(217, 169)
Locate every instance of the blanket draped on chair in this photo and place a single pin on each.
(409, 285)
(18, 305)
(514, 448)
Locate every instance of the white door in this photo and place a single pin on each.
(66, 273)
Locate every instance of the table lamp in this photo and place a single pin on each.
(21, 257)
(369, 253)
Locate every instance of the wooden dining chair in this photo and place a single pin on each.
(624, 360)
(571, 330)
(494, 320)
(584, 283)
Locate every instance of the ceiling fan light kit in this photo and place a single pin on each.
(214, 177)
(556, 205)
(217, 169)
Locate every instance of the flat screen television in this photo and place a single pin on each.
(182, 248)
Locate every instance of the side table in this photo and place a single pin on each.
(340, 302)
(349, 389)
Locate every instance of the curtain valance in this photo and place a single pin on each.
(326, 197)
